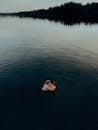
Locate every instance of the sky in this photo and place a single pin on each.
(25, 5)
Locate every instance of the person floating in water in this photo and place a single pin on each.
(49, 86)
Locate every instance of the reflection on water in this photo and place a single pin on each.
(32, 51)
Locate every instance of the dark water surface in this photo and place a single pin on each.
(32, 51)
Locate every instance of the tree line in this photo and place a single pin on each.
(67, 13)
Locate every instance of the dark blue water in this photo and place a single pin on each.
(32, 51)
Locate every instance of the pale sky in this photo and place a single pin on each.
(25, 5)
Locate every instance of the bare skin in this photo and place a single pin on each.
(48, 86)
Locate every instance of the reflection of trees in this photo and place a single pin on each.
(68, 13)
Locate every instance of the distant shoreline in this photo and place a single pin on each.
(68, 13)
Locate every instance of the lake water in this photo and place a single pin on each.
(32, 51)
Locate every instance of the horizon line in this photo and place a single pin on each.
(83, 4)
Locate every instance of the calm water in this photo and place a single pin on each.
(32, 51)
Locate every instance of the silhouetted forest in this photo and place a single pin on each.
(68, 13)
